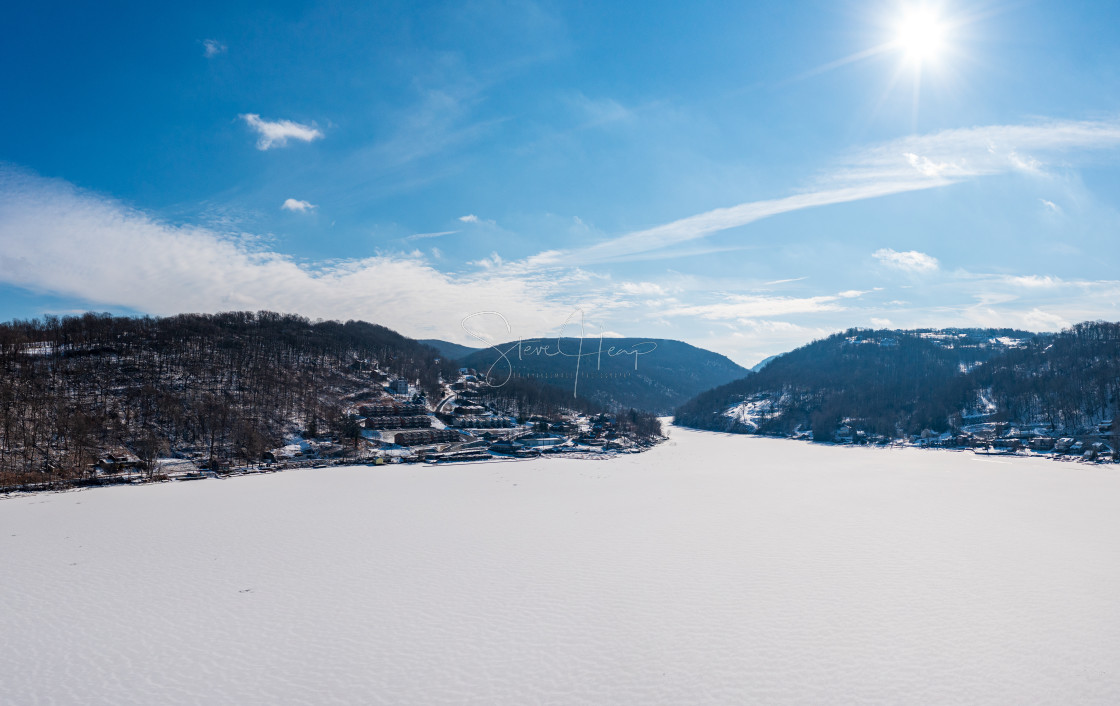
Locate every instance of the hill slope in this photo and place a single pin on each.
(449, 350)
(213, 387)
(901, 382)
(1069, 381)
(653, 375)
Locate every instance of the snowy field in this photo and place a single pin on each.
(713, 569)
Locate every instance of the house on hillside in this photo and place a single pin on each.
(1007, 444)
(1101, 451)
(399, 386)
(430, 436)
(1042, 443)
(480, 422)
(506, 447)
(409, 422)
(119, 461)
(932, 439)
(539, 440)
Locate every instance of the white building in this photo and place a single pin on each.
(399, 386)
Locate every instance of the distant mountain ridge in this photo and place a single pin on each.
(763, 363)
(653, 375)
(893, 382)
(449, 350)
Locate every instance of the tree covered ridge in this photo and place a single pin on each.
(896, 383)
(649, 374)
(221, 386)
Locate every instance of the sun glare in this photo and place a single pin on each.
(921, 35)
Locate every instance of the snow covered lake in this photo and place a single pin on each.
(713, 569)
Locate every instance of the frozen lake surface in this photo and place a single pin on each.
(713, 569)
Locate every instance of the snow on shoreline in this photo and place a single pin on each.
(711, 569)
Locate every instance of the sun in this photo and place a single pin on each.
(920, 34)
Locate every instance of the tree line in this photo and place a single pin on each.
(525, 398)
(227, 386)
(897, 383)
(222, 388)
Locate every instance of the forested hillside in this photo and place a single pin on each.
(231, 384)
(897, 383)
(1068, 381)
(223, 387)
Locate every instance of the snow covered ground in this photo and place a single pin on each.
(713, 569)
(750, 411)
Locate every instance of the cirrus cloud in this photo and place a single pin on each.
(903, 165)
(744, 307)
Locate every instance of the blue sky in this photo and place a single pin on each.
(742, 176)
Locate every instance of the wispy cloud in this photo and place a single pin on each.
(297, 205)
(1034, 281)
(61, 240)
(277, 133)
(474, 220)
(601, 111)
(721, 219)
(212, 48)
(642, 288)
(745, 307)
(1030, 301)
(67, 242)
(909, 261)
(423, 236)
(787, 281)
(493, 261)
(968, 153)
(908, 164)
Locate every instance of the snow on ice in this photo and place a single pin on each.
(712, 569)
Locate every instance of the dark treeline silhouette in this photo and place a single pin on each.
(896, 383)
(226, 385)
